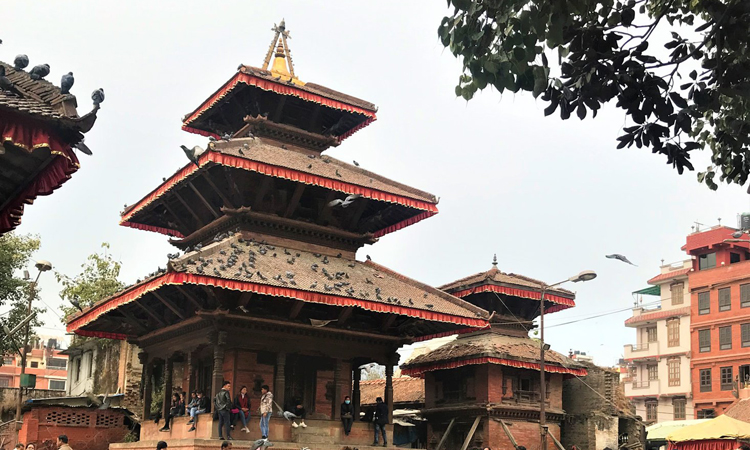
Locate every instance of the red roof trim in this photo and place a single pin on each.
(279, 172)
(679, 312)
(421, 370)
(562, 302)
(180, 278)
(278, 88)
(668, 275)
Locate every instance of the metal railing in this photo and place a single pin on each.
(639, 347)
(643, 384)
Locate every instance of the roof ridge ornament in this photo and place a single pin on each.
(282, 67)
(494, 261)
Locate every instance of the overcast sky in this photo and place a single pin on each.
(551, 198)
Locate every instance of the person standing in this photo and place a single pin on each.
(381, 420)
(242, 405)
(347, 415)
(62, 442)
(222, 406)
(201, 406)
(266, 409)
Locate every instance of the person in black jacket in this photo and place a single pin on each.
(347, 414)
(223, 405)
(381, 419)
(177, 408)
(204, 405)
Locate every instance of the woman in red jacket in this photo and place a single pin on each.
(242, 407)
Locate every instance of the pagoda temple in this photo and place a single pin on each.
(268, 289)
(39, 126)
(483, 388)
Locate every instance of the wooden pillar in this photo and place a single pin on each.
(219, 342)
(357, 374)
(168, 370)
(190, 375)
(389, 389)
(146, 383)
(338, 388)
(279, 383)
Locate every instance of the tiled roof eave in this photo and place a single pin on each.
(419, 369)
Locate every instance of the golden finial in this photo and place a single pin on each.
(282, 64)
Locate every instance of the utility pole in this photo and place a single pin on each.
(43, 266)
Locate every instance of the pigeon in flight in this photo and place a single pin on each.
(619, 257)
(288, 415)
(321, 323)
(98, 96)
(21, 62)
(193, 153)
(345, 202)
(39, 72)
(368, 366)
(66, 83)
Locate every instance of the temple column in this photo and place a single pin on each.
(168, 371)
(190, 375)
(219, 342)
(146, 384)
(357, 375)
(279, 383)
(389, 388)
(338, 387)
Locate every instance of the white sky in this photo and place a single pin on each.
(551, 198)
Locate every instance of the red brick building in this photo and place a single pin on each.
(484, 387)
(720, 319)
(45, 361)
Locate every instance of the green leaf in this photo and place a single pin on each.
(491, 66)
(519, 54)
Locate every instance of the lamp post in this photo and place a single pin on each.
(586, 275)
(42, 266)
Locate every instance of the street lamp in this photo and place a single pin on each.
(586, 275)
(42, 266)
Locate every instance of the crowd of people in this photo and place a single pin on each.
(228, 411)
(62, 444)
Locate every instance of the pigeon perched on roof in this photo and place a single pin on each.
(76, 304)
(193, 153)
(39, 72)
(620, 258)
(83, 148)
(98, 96)
(5, 83)
(21, 62)
(738, 234)
(66, 83)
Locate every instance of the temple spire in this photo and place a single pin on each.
(282, 65)
(494, 261)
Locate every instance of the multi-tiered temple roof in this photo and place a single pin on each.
(38, 128)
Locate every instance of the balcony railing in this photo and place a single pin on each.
(644, 384)
(639, 347)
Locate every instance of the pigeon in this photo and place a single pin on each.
(83, 148)
(368, 366)
(288, 415)
(368, 257)
(345, 202)
(738, 234)
(356, 163)
(39, 72)
(106, 402)
(66, 83)
(193, 153)
(226, 136)
(76, 304)
(321, 323)
(619, 257)
(5, 84)
(261, 443)
(243, 309)
(21, 62)
(98, 97)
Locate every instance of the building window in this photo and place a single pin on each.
(651, 407)
(77, 369)
(707, 261)
(725, 338)
(704, 340)
(7, 361)
(725, 299)
(91, 364)
(57, 385)
(673, 333)
(57, 363)
(705, 375)
(745, 296)
(745, 328)
(678, 296)
(704, 303)
(651, 334)
(706, 414)
(673, 364)
(34, 364)
(726, 378)
(653, 372)
(634, 372)
(734, 258)
(678, 404)
(5, 382)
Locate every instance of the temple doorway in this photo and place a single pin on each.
(300, 375)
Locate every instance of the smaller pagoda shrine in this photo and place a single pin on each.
(39, 127)
(483, 388)
(268, 290)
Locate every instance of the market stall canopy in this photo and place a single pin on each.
(720, 433)
(660, 431)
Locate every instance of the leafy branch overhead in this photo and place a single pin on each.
(689, 90)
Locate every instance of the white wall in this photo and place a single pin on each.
(79, 366)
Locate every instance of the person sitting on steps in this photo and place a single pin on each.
(177, 408)
(242, 404)
(203, 405)
(347, 415)
(299, 411)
